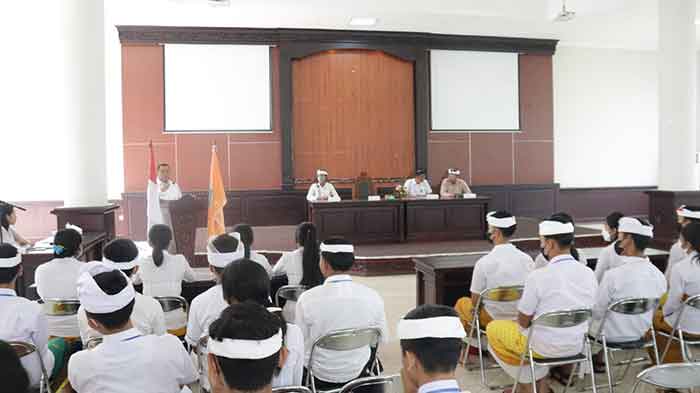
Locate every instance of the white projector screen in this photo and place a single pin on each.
(212, 88)
(474, 91)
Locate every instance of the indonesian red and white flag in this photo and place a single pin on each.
(153, 213)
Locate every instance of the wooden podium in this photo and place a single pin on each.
(186, 214)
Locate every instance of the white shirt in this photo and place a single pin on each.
(316, 191)
(128, 362)
(8, 236)
(608, 259)
(57, 279)
(166, 279)
(293, 370)
(676, 255)
(541, 261)
(441, 386)
(290, 264)
(22, 320)
(414, 189)
(505, 265)
(172, 193)
(685, 280)
(262, 261)
(563, 284)
(634, 278)
(147, 317)
(339, 303)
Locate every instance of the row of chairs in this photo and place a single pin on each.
(378, 384)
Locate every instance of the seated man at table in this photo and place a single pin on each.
(418, 186)
(505, 265)
(453, 186)
(322, 190)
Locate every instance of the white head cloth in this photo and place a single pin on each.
(336, 248)
(632, 225)
(74, 227)
(504, 222)
(11, 262)
(321, 172)
(683, 211)
(437, 327)
(119, 265)
(550, 228)
(93, 298)
(453, 171)
(246, 349)
(222, 259)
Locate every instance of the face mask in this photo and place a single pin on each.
(606, 235)
(489, 238)
(618, 247)
(544, 254)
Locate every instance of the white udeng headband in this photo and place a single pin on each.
(684, 212)
(91, 296)
(631, 225)
(438, 327)
(119, 265)
(321, 172)
(274, 309)
(504, 222)
(335, 248)
(453, 172)
(550, 228)
(246, 349)
(11, 262)
(222, 259)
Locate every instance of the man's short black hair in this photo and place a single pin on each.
(112, 282)
(507, 232)
(245, 280)
(436, 355)
(640, 242)
(339, 261)
(564, 240)
(121, 250)
(8, 274)
(224, 243)
(246, 321)
(613, 219)
(12, 374)
(163, 164)
(420, 172)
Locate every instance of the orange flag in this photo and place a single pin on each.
(217, 198)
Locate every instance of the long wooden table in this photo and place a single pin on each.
(401, 220)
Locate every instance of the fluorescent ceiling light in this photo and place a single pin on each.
(363, 21)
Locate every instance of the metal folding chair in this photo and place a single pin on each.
(670, 376)
(59, 307)
(93, 342)
(23, 349)
(201, 352)
(343, 340)
(499, 294)
(685, 343)
(292, 389)
(172, 303)
(629, 306)
(385, 384)
(559, 320)
(289, 293)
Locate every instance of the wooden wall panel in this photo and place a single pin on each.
(353, 111)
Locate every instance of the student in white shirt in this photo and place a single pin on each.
(245, 349)
(418, 186)
(245, 236)
(431, 343)
(162, 274)
(246, 281)
(339, 303)
(301, 265)
(635, 277)
(609, 257)
(685, 215)
(505, 265)
(12, 374)
(127, 360)
(563, 284)
(8, 233)
(542, 261)
(56, 280)
(322, 190)
(147, 316)
(22, 320)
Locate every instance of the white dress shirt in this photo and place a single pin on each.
(414, 189)
(441, 386)
(293, 370)
(634, 278)
(290, 264)
(129, 361)
(505, 265)
(57, 279)
(541, 261)
(564, 284)
(147, 317)
(685, 280)
(172, 193)
(676, 254)
(22, 320)
(316, 192)
(339, 303)
(8, 236)
(262, 261)
(608, 259)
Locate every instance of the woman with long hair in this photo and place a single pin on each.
(245, 233)
(8, 233)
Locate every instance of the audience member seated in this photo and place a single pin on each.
(301, 265)
(635, 277)
(609, 257)
(339, 303)
(56, 280)
(563, 284)
(245, 348)
(8, 233)
(13, 376)
(246, 281)
(685, 282)
(147, 317)
(127, 360)
(246, 238)
(162, 274)
(22, 320)
(431, 343)
(542, 261)
(685, 215)
(505, 265)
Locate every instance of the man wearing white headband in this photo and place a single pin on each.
(244, 349)
(636, 277)
(418, 186)
(431, 344)
(148, 316)
(504, 266)
(21, 319)
(542, 260)
(563, 284)
(684, 215)
(453, 186)
(322, 190)
(338, 304)
(127, 360)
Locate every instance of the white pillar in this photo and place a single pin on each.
(678, 170)
(85, 174)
